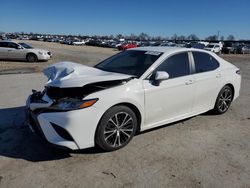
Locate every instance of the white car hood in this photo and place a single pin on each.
(69, 74)
(37, 50)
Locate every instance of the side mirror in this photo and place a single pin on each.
(161, 75)
(19, 47)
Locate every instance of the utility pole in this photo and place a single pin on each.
(218, 35)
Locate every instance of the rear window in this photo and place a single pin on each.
(204, 62)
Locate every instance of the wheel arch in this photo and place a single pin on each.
(232, 87)
(126, 104)
(133, 107)
(31, 53)
(135, 110)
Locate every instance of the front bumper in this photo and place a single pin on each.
(47, 132)
(44, 56)
(70, 129)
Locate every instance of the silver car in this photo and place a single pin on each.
(246, 49)
(22, 51)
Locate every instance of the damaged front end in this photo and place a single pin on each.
(68, 85)
(56, 93)
(50, 111)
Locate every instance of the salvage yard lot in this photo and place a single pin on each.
(203, 151)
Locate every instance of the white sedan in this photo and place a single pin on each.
(22, 51)
(132, 91)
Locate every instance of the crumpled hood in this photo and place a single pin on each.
(69, 74)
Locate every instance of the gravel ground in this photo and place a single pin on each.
(203, 151)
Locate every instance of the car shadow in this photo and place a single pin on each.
(13, 60)
(21, 61)
(18, 142)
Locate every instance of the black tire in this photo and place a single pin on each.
(223, 100)
(31, 58)
(111, 137)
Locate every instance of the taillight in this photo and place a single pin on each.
(238, 71)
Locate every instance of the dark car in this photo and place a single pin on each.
(93, 43)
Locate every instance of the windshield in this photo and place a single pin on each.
(210, 46)
(25, 45)
(132, 62)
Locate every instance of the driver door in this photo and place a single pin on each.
(171, 99)
(14, 52)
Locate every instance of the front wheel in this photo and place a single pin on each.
(116, 128)
(223, 100)
(31, 58)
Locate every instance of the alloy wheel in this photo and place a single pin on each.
(119, 129)
(225, 100)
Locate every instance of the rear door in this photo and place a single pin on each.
(207, 81)
(4, 50)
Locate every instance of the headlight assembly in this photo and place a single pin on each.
(42, 53)
(73, 104)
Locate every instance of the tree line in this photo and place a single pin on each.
(193, 37)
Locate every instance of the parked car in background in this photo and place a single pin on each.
(195, 45)
(78, 42)
(226, 49)
(213, 47)
(93, 42)
(127, 46)
(236, 49)
(22, 51)
(132, 91)
(246, 49)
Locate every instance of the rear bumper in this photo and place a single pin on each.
(237, 87)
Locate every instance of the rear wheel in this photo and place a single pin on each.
(31, 58)
(116, 128)
(223, 100)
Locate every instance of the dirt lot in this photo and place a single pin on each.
(203, 151)
(87, 55)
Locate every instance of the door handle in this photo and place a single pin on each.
(9, 50)
(218, 75)
(189, 82)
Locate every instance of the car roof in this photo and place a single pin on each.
(162, 49)
(167, 50)
(6, 41)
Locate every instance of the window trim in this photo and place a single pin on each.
(193, 62)
(190, 65)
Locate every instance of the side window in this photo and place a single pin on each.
(12, 45)
(4, 44)
(204, 62)
(176, 65)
